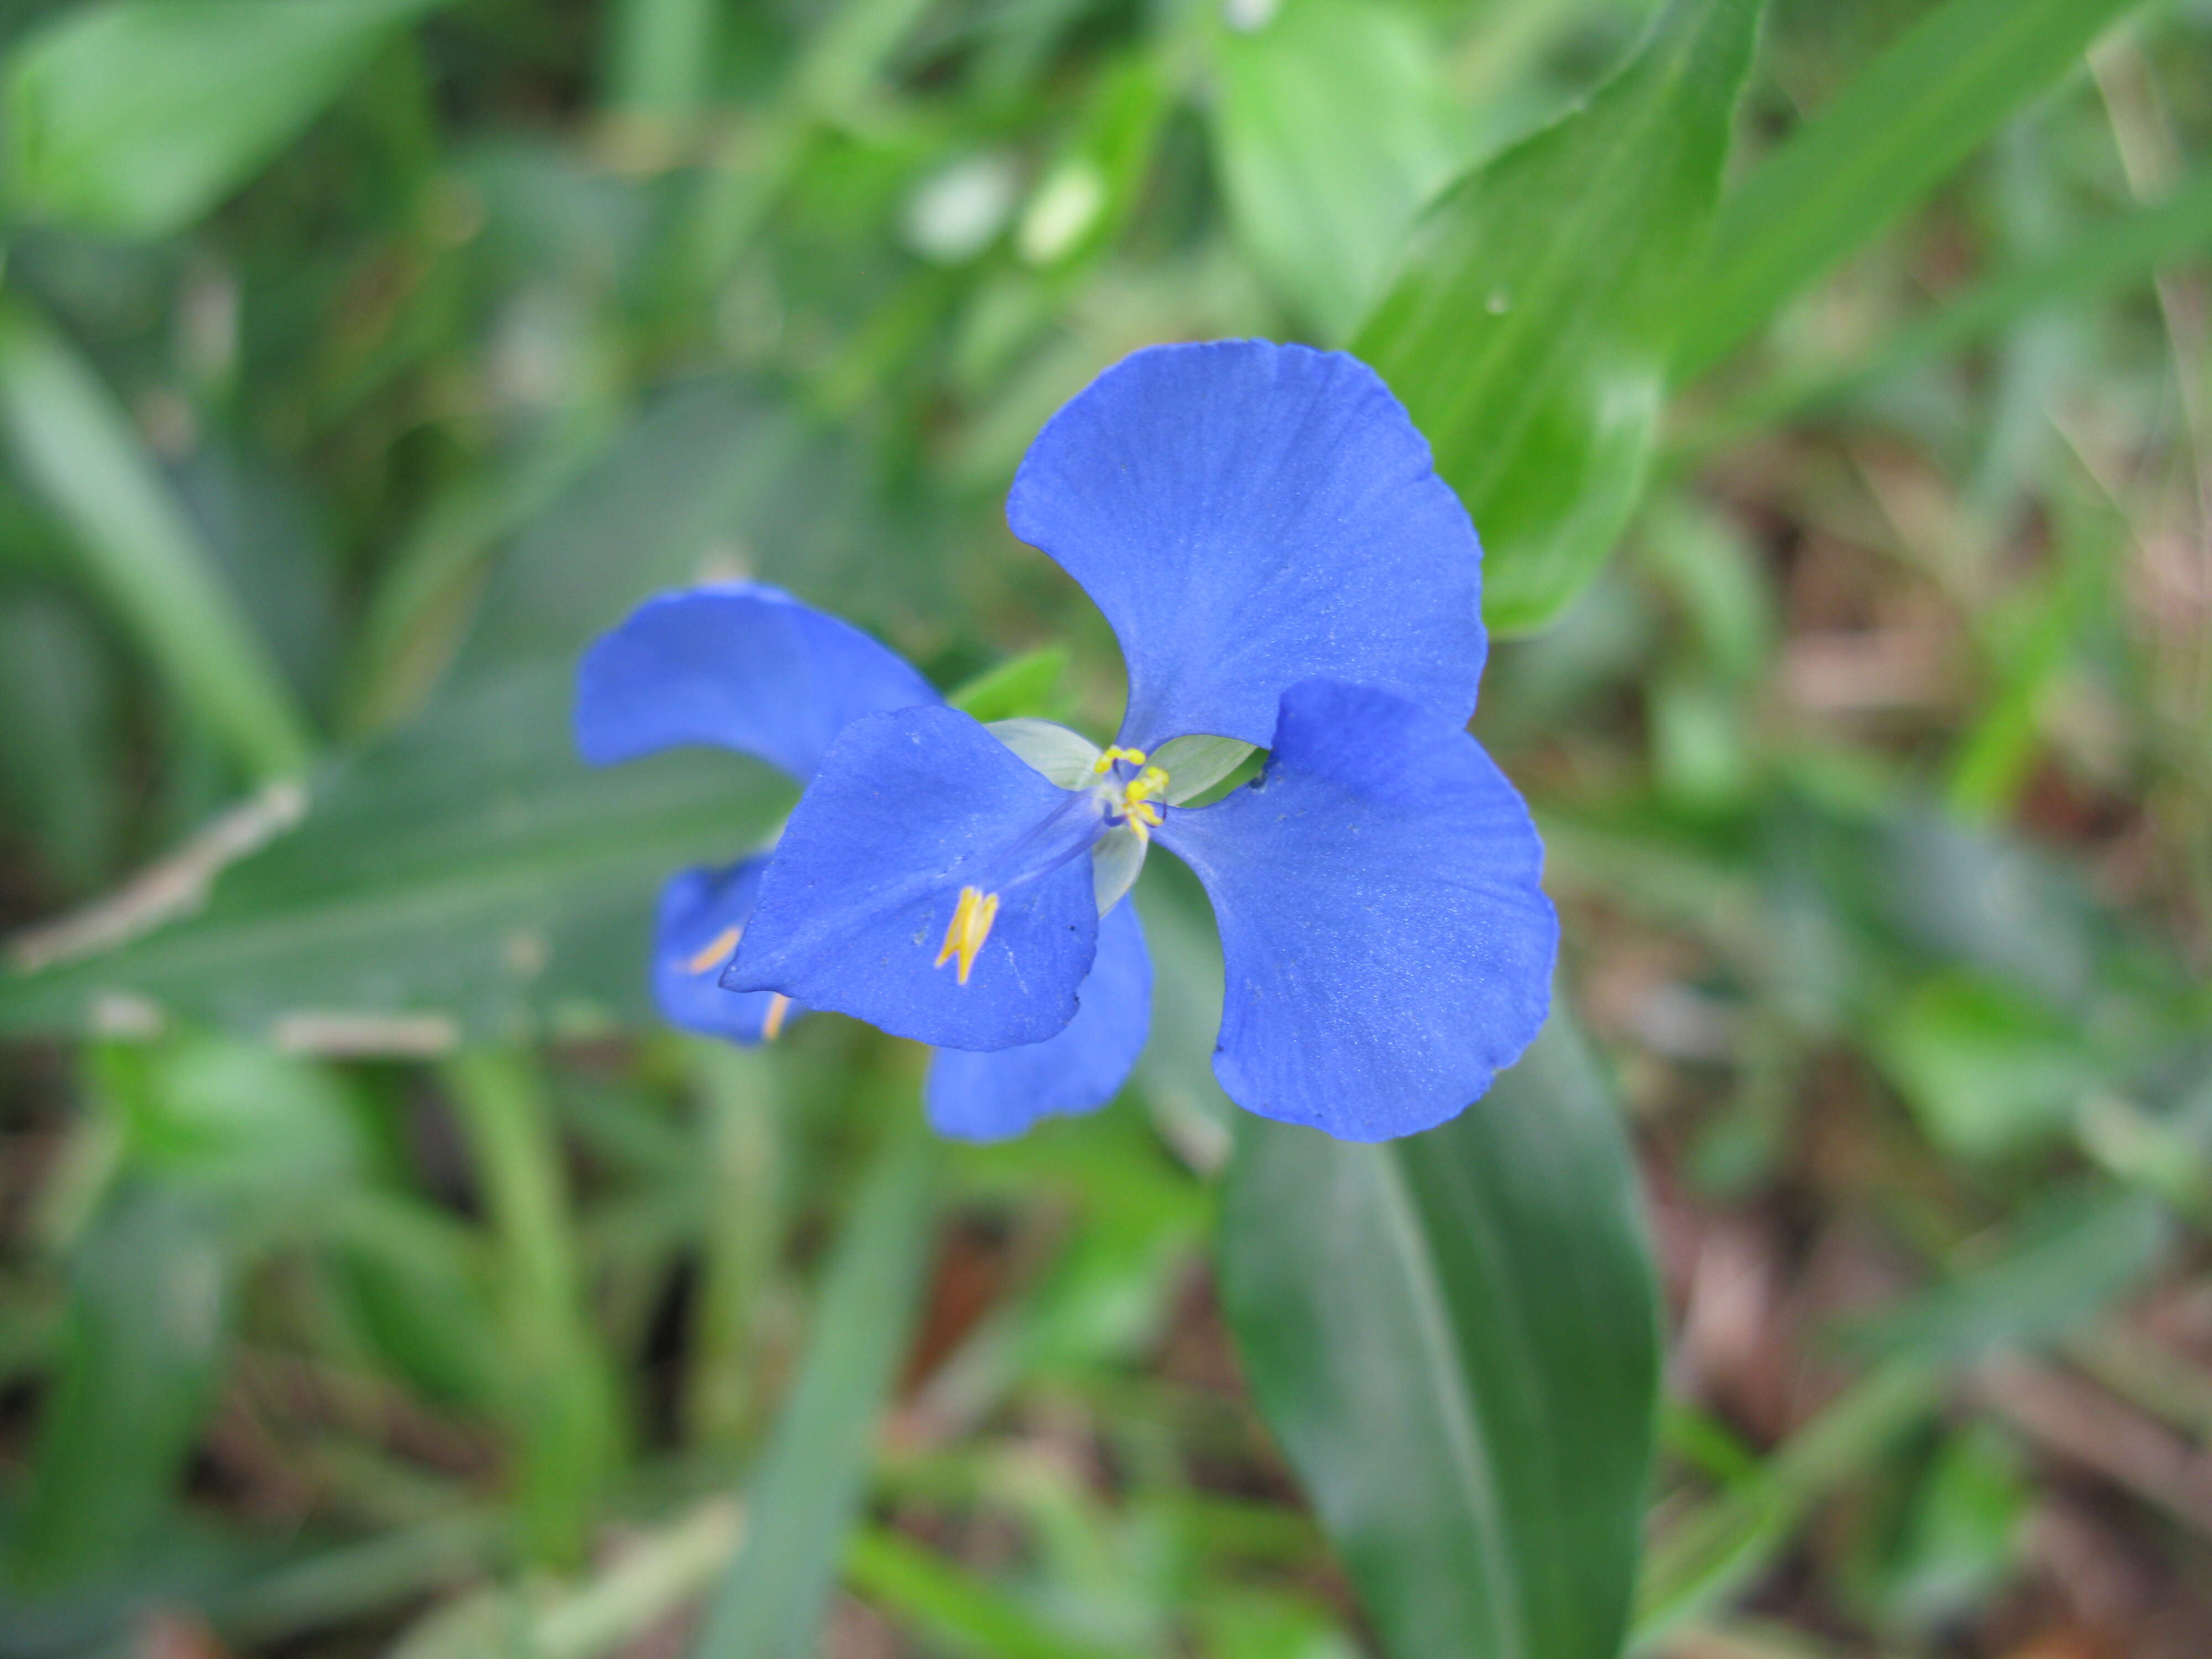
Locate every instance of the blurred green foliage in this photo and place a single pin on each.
(1829, 381)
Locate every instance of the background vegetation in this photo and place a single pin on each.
(1831, 388)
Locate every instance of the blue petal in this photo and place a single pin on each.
(1248, 516)
(995, 1097)
(702, 915)
(738, 664)
(909, 809)
(1387, 944)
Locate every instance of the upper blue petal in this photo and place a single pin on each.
(995, 1097)
(702, 913)
(740, 665)
(908, 809)
(1387, 944)
(1248, 516)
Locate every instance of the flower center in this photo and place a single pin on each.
(1131, 788)
(1116, 807)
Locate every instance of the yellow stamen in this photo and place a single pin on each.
(970, 927)
(1152, 780)
(716, 953)
(1138, 808)
(778, 1006)
(1104, 763)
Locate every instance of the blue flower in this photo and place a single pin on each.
(1261, 527)
(744, 666)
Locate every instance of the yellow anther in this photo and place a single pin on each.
(970, 927)
(1104, 763)
(716, 953)
(779, 1006)
(1147, 784)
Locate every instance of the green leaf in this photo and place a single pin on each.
(1876, 149)
(1987, 1070)
(1028, 687)
(2126, 248)
(137, 116)
(1454, 1337)
(148, 1310)
(2068, 1261)
(60, 734)
(250, 1128)
(560, 1386)
(959, 1612)
(718, 477)
(807, 1490)
(468, 875)
(1721, 1547)
(77, 448)
(661, 57)
(1332, 128)
(1530, 326)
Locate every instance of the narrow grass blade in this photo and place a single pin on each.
(1718, 1550)
(149, 1311)
(77, 448)
(808, 1487)
(959, 1612)
(2103, 258)
(137, 116)
(562, 1389)
(1875, 149)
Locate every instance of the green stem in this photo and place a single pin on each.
(562, 1389)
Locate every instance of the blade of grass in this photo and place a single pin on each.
(744, 1137)
(74, 444)
(2128, 247)
(662, 60)
(812, 1477)
(955, 1610)
(607, 1612)
(744, 180)
(1720, 1548)
(147, 1323)
(356, 1579)
(562, 1390)
(1875, 149)
(134, 116)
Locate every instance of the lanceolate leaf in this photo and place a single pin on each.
(137, 116)
(1530, 326)
(1454, 1337)
(1331, 127)
(468, 875)
(1874, 150)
